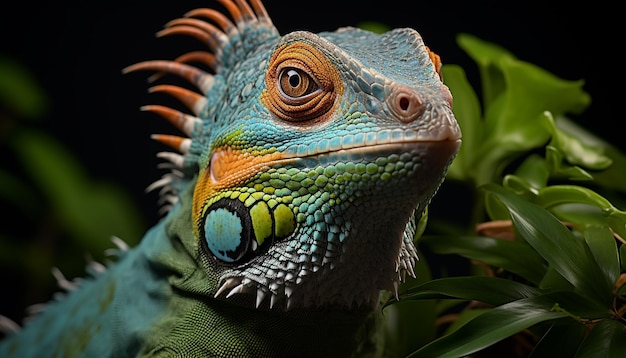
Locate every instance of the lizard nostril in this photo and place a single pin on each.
(405, 104)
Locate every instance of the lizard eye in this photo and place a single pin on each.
(302, 84)
(295, 84)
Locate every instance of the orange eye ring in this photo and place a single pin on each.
(302, 84)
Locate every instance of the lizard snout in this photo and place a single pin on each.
(405, 103)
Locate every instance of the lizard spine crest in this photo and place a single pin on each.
(226, 40)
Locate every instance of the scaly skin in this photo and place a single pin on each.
(292, 203)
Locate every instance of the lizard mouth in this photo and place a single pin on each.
(374, 141)
(229, 166)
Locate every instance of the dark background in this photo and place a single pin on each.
(76, 53)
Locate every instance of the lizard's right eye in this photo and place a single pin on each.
(296, 84)
(302, 84)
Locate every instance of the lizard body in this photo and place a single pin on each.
(292, 198)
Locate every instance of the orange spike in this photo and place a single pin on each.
(194, 75)
(182, 121)
(179, 143)
(217, 38)
(202, 57)
(260, 11)
(193, 100)
(192, 31)
(220, 19)
(246, 10)
(234, 11)
(436, 61)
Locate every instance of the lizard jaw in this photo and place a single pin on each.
(300, 284)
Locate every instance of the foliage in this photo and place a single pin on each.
(546, 264)
(53, 212)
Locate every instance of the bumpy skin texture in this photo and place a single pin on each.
(292, 201)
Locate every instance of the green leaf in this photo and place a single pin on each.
(490, 290)
(516, 257)
(19, 90)
(602, 244)
(574, 149)
(561, 340)
(491, 327)
(486, 54)
(613, 176)
(560, 170)
(554, 281)
(534, 172)
(532, 95)
(373, 26)
(554, 195)
(466, 107)
(577, 306)
(567, 254)
(606, 339)
(495, 209)
(560, 194)
(402, 334)
(465, 316)
(517, 96)
(92, 212)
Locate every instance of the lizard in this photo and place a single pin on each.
(299, 169)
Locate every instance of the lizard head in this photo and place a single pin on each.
(310, 156)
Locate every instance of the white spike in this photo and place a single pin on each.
(273, 299)
(260, 297)
(185, 145)
(8, 326)
(96, 266)
(35, 309)
(176, 159)
(117, 251)
(123, 246)
(165, 209)
(166, 190)
(410, 270)
(199, 105)
(238, 289)
(205, 83)
(395, 290)
(169, 199)
(288, 291)
(229, 283)
(163, 182)
(63, 282)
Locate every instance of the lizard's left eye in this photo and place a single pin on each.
(295, 84)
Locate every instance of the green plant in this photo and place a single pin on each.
(542, 241)
(54, 214)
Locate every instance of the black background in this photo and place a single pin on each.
(76, 53)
